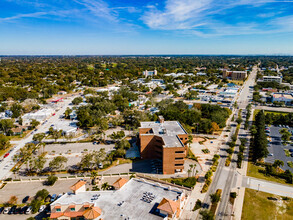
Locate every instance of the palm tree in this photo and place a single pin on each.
(94, 175)
(105, 186)
(189, 171)
(191, 167)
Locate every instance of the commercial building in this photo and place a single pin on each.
(132, 199)
(235, 75)
(277, 79)
(166, 141)
(283, 97)
(147, 73)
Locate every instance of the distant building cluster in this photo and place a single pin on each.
(234, 75)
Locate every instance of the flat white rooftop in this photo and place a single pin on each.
(131, 193)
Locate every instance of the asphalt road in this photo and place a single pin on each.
(7, 163)
(224, 211)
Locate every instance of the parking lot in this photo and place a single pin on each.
(276, 148)
(71, 148)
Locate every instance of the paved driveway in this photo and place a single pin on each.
(277, 148)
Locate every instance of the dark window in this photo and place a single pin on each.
(179, 158)
(179, 152)
(178, 165)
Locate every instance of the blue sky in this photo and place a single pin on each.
(108, 27)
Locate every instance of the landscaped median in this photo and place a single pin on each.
(209, 174)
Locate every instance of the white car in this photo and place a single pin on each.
(6, 210)
(42, 208)
(29, 210)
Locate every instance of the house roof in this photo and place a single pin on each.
(17, 129)
(120, 182)
(73, 214)
(92, 213)
(56, 215)
(169, 206)
(77, 185)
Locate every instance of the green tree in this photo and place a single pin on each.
(285, 135)
(67, 113)
(39, 137)
(51, 180)
(57, 163)
(34, 123)
(42, 194)
(4, 142)
(206, 215)
(6, 125)
(278, 163)
(77, 100)
(16, 110)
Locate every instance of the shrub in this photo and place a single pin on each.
(233, 195)
(36, 204)
(51, 180)
(42, 194)
(197, 205)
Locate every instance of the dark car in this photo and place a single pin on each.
(23, 210)
(17, 210)
(205, 206)
(25, 199)
(1, 209)
(290, 150)
(12, 210)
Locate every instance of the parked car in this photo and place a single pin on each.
(42, 208)
(59, 196)
(6, 210)
(6, 155)
(12, 210)
(17, 210)
(1, 209)
(23, 210)
(25, 199)
(271, 154)
(292, 155)
(53, 198)
(100, 166)
(290, 150)
(29, 210)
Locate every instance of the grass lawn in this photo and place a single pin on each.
(266, 112)
(187, 182)
(253, 171)
(257, 206)
(290, 164)
(287, 152)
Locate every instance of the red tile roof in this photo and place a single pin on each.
(77, 185)
(120, 182)
(92, 213)
(56, 214)
(169, 206)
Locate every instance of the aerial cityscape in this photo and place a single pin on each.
(172, 110)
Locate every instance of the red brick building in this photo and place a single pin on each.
(166, 141)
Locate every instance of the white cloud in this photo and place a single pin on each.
(99, 8)
(199, 17)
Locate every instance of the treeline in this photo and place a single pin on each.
(46, 76)
(259, 142)
(279, 119)
(204, 118)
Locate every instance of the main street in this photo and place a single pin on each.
(225, 177)
(224, 211)
(7, 164)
